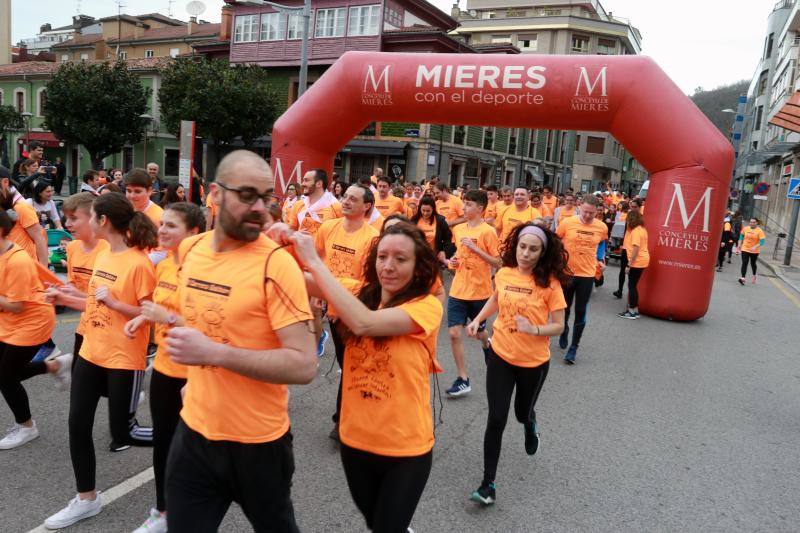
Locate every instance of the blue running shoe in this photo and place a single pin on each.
(322, 340)
(563, 339)
(486, 494)
(459, 387)
(570, 357)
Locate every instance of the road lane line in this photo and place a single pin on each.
(116, 492)
(786, 292)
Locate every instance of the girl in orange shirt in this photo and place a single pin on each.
(434, 227)
(110, 363)
(527, 292)
(26, 321)
(180, 220)
(635, 245)
(386, 424)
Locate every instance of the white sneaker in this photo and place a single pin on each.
(18, 435)
(75, 511)
(155, 523)
(63, 375)
(55, 354)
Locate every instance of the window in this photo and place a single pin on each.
(2, 95)
(122, 55)
(149, 53)
(84, 56)
(759, 116)
(551, 12)
(528, 41)
(488, 138)
(459, 135)
(563, 147)
(762, 84)
(500, 39)
(294, 26)
(363, 20)
(19, 100)
(532, 145)
(330, 23)
(392, 17)
(41, 96)
(768, 46)
(64, 57)
(246, 29)
(273, 27)
(606, 47)
(548, 151)
(512, 140)
(171, 161)
(595, 145)
(489, 14)
(173, 52)
(511, 13)
(577, 143)
(580, 44)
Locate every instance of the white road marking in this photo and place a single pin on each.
(116, 492)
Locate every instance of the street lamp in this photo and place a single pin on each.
(306, 10)
(148, 119)
(26, 116)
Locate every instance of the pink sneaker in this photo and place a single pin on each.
(754, 279)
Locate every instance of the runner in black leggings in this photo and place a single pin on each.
(527, 292)
(750, 242)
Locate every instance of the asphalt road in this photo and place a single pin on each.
(659, 426)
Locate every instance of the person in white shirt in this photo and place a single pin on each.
(42, 202)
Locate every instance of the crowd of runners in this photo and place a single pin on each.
(238, 297)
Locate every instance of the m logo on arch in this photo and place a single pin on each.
(375, 90)
(591, 90)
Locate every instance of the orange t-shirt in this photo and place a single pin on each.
(637, 237)
(565, 212)
(226, 297)
(212, 208)
(473, 279)
(752, 239)
(622, 216)
(377, 224)
(166, 295)
(491, 210)
(80, 266)
(386, 391)
(344, 253)
(512, 217)
(131, 278)
(549, 205)
(411, 206)
(518, 294)
(450, 209)
(309, 225)
(581, 241)
(391, 205)
(154, 213)
(19, 282)
(429, 230)
(26, 218)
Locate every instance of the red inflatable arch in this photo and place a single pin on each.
(690, 161)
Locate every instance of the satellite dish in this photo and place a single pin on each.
(195, 7)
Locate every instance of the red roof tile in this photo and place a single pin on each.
(173, 32)
(46, 67)
(80, 40)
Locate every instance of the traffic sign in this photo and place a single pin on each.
(761, 188)
(794, 189)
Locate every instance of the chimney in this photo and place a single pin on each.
(192, 22)
(455, 11)
(225, 23)
(45, 27)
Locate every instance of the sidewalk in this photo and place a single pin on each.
(788, 274)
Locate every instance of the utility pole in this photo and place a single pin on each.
(302, 84)
(787, 258)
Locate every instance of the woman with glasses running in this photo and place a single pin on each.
(530, 304)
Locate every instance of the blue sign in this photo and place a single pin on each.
(794, 189)
(411, 133)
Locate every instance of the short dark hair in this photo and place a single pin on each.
(89, 175)
(6, 224)
(369, 198)
(547, 188)
(491, 188)
(33, 145)
(365, 181)
(191, 214)
(321, 175)
(385, 179)
(479, 197)
(442, 186)
(138, 177)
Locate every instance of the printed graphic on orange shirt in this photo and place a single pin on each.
(341, 260)
(309, 225)
(513, 303)
(370, 369)
(210, 310)
(468, 259)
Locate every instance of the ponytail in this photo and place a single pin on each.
(142, 233)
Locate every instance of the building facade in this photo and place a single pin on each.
(769, 149)
(563, 27)
(458, 154)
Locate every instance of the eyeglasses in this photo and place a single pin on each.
(249, 195)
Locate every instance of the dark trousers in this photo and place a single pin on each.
(752, 259)
(579, 290)
(16, 367)
(501, 379)
(726, 249)
(58, 183)
(386, 489)
(623, 263)
(76, 348)
(338, 346)
(165, 409)
(89, 383)
(204, 477)
(633, 289)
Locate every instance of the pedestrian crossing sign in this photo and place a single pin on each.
(794, 189)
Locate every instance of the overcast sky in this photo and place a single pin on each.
(705, 43)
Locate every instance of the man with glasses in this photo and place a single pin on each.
(244, 332)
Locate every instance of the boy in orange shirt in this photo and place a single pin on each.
(475, 256)
(139, 189)
(386, 203)
(447, 205)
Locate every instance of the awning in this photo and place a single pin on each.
(788, 117)
(359, 146)
(45, 137)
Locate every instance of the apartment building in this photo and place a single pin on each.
(563, 27)
(769, 150)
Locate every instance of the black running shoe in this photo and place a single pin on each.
(114, 447)
(485, 494)
(563, 339)
(617, 295)
(532, 439)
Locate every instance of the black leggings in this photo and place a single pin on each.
(580, 290)
(623, 263)
(726, 249)
(752, 258)
(16, 367)
(338, 346)
(386, 489)
(89, 383)
(633, 289)
(501, 378)
(76, 348)
(165, 408)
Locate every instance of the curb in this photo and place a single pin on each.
(778, 271)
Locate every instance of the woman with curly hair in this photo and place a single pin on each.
(527, 292)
